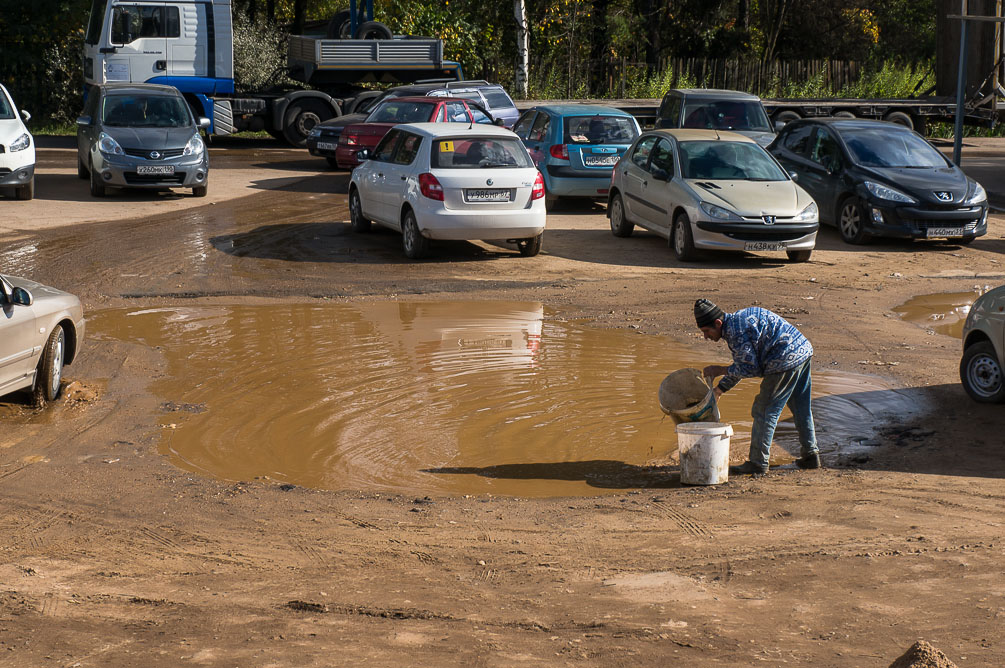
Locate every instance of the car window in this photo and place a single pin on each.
(540, 130)
(383, 151)
(599, 129)
(132, 22)
(670, 112)
(496, 98)
(522, 127)
(886, 147)
(407, 149)
(726, 115)
(663, 156)
(825, 150)
(479, 152)
(145, 111)
(797, 139)
(6, 109)
(91, 106)
(456, 112)
(479, 115)
(640, 156)
(467, 95)
(401, 111)
(728, 160)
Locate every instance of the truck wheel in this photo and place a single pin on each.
(786, 117)
(362, 102)
(339, 26)
(900, 118)
(301, 117)
(843, 114)
(373, 30)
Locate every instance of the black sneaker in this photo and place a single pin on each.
(748, 468)
(809, 461)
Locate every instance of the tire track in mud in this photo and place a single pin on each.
(690, 525)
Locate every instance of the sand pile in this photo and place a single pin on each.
(923, 655)
(682, 389)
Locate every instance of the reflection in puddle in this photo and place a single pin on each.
(943, 312)
(442, 397)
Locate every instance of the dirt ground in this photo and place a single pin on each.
(111, 556)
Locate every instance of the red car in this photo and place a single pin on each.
(395, 111)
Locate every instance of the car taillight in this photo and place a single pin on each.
(430, 187)
(560, 151)
(349, 139)
(538, 191)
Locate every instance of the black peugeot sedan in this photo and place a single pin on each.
(874, 178)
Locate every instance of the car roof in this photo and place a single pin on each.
(580, 110)
(852, 123)
(714, 94)
(423, 98)
(125, 87)
(689, 134)
(454, 129)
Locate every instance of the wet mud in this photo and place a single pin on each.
(506, 398)
(943, 312)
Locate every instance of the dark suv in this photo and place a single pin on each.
(714, 109)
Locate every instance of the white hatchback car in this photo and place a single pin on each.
(17, 149)
(982, 368)
(450, 181)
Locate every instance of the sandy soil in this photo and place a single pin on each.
(111, 556)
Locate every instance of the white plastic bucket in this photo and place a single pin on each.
(704, 452)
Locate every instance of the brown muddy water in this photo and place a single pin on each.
(504, 398)
(943, 312)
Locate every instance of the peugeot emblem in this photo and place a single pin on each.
(155, 155)
(944, 196)
(769, 220)
(488, 182)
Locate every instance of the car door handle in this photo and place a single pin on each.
(645, 183)
(404, 178)
(380, 174)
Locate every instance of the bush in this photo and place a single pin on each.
(260, 55)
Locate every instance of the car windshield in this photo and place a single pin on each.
(479, 152)
(145, 111)
(728, 160)
(879, 147)
(725, 115)
(599, 129)
(6, 111)
(398, 111)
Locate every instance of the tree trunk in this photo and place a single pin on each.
(599, 47)
(522, 48)
(743, 14)
(299, 9)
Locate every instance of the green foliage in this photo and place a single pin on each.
(892, 80)
(259, 54)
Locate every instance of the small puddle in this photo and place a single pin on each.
(443, 397)
(943, 312)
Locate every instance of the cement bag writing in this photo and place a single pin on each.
(686, 396)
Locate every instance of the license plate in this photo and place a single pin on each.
(763, 246)
(487, 195)
(600, 160)
(944, 232)
(155, 169)
(327, 146)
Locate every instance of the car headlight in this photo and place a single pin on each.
(107, 144)
(880, 191)
(807, 214)
(21, 143)
(978, 195)
(718, 212)
(194, 146)
(315, 131)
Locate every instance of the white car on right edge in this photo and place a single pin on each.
(982, 368)
(450, 181)
(17, 149)
(711, 190)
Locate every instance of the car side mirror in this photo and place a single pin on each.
(203, 123)
(21, 297)
(794, 176)
(500, 122)
(83, 120)
(25, 115)
(363, 155)
(660, 174)
(779, 125)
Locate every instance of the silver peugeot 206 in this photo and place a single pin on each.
(141, 136)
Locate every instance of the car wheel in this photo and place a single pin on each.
(356, 220)
(200, 191)
(620, 225)
(416, 246)
(530, 247)
(332, 162)
(97, 187)
(799, 255)
(50, 368)
(27, 191)
(82, 172)
(551, 202)
(851, 221)
(981, 373)
(681, 239)
(301, 118)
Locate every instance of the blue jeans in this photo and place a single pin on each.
(790, 387)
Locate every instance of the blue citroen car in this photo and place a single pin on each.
(576, 147)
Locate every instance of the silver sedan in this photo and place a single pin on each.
(706, 189)
(41, 329)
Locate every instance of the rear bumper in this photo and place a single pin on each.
(563, 181)
(436, 222)
(345, 156)
(327, 152)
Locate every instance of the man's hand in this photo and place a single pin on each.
(713, 370)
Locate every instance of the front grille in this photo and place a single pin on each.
(145, 152)
(5, 170)
(925, 224)
(766, 236)
(138, 179)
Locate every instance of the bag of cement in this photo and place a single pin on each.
(686, 396)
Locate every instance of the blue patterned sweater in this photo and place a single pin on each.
(762, 342)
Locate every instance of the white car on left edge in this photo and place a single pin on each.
(17, 149)
(451, 181)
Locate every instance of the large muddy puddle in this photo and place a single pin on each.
(943, 312)
(443, 397)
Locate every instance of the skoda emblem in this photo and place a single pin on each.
(769, 220)
(944, 196)
(155, 155)
(488, 182)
